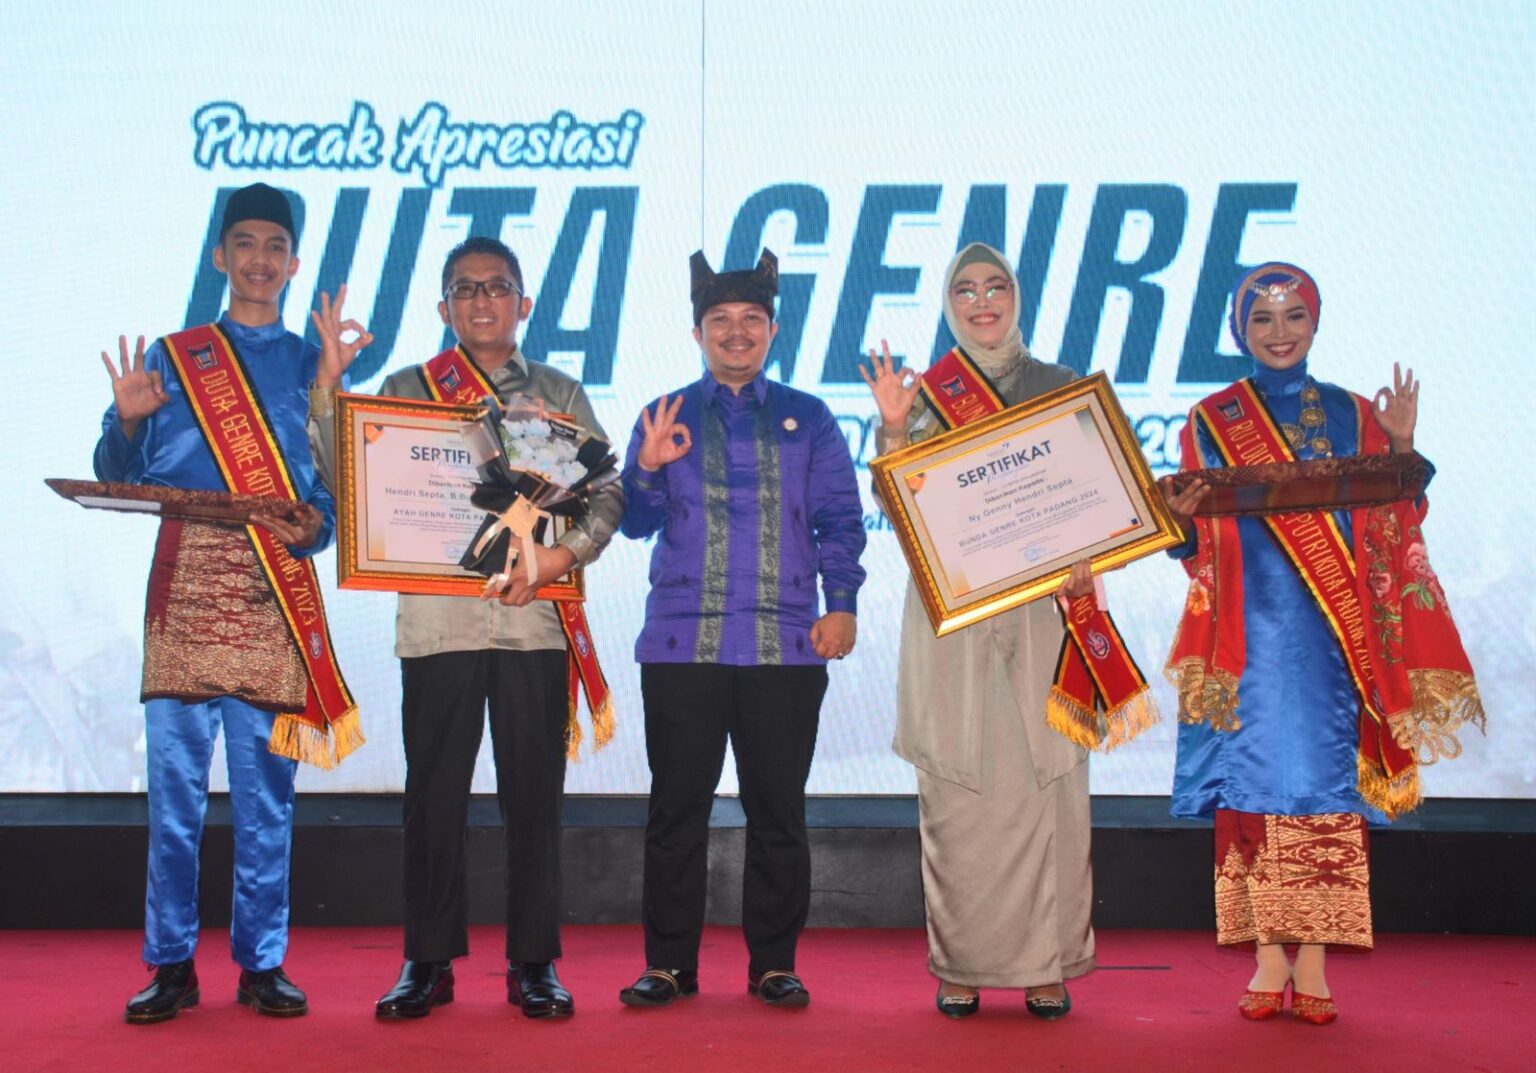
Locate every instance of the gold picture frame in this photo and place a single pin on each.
(407, 535)
(1037, 486)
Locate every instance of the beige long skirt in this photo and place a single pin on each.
(1006, 875)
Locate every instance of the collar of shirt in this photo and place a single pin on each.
(714, 390)
(513, 371)
(245, 333)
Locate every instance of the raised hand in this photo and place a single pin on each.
(336, 353)
(136, 393)
(1397, 409)
(664, 440)
(895, 390)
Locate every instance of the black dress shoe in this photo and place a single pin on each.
(956, 1006)
(271, 993)
(173, 989)
(657, 987)
(779, 987)
(422, 985)
(1052, 1009)
(534, 986)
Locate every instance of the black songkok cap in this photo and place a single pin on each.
(710, 288)
(258, 202)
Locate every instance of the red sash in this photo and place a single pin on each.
(1095, 669)
(453, 377)
(958, 392)
(238, 434)
(1410, 673)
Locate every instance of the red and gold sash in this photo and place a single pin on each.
(958, 391)
(453, 377)
(1413, 692)
(239, 435)
(1095, 669)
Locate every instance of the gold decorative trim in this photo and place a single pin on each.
(1443, 702)
(1208, 697)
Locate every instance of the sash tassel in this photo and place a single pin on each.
(1100, 698)
(1073, 720)
(1088, 728)
(584, 674)
(299, 739)
(1125, 722)
(1393, 795)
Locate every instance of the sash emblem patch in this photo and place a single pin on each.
(1098, 644)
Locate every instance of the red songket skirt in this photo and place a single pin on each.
(1292, 879)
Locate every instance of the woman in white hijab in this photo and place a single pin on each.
(1003, 798)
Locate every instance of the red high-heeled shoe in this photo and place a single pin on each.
(1313, 1010)
(1261, 1005)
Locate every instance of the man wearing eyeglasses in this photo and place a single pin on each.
(460, 656)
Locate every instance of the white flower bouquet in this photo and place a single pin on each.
(532, 464)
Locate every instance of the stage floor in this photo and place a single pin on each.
(1161, 1000)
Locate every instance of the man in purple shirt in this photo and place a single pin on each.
(732, 645)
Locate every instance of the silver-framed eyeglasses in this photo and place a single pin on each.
(466, 289)
(992, 290)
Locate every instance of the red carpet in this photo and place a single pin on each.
(1160, 1001)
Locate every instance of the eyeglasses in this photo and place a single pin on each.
(466, 289)
(967, 294)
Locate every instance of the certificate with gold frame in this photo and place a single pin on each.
(993, 514)
(403, 515)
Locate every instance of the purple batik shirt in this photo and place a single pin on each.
(764, 503)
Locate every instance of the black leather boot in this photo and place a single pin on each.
(173, 989)
(271, 993)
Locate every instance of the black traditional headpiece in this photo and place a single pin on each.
(710, 288)
(258, 202)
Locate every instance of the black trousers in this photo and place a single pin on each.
(769, 715)
(443, 719)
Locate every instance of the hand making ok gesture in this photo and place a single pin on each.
(894, 389)
(336, 354)
(1397, 409)
(665, 441)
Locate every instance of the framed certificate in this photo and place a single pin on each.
(993, 514)
(403, 515)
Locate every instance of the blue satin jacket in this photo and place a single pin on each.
(168, 448)
(1295, 753)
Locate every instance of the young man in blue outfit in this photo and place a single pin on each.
(215, 408)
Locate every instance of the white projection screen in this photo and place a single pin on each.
(1129, 157)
